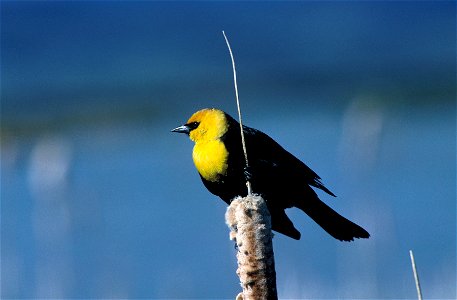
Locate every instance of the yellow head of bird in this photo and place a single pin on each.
(205, 125)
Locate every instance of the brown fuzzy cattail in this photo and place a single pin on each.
(250, 227)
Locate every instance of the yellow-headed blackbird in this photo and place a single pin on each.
(278, 176)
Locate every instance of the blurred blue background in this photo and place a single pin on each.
(100, 200)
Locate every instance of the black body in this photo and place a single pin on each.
(282, 180)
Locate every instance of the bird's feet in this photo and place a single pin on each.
(247, 173)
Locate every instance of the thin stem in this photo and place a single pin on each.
(416, 276)
(248, 184)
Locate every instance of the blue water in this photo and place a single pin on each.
(100, 200)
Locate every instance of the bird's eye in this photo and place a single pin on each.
(193, 125)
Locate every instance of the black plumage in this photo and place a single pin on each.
(279, 177)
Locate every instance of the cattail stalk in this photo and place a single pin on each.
(250, 227)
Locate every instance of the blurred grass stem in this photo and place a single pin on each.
(416, 276)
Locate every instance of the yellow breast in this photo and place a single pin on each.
(210, 159)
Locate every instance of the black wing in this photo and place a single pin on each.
(268, 154)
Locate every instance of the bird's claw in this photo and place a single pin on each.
(247, 173)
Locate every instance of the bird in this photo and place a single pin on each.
(275, 174)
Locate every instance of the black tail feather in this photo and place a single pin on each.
(333, 223)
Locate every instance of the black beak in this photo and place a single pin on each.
(182, 129)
